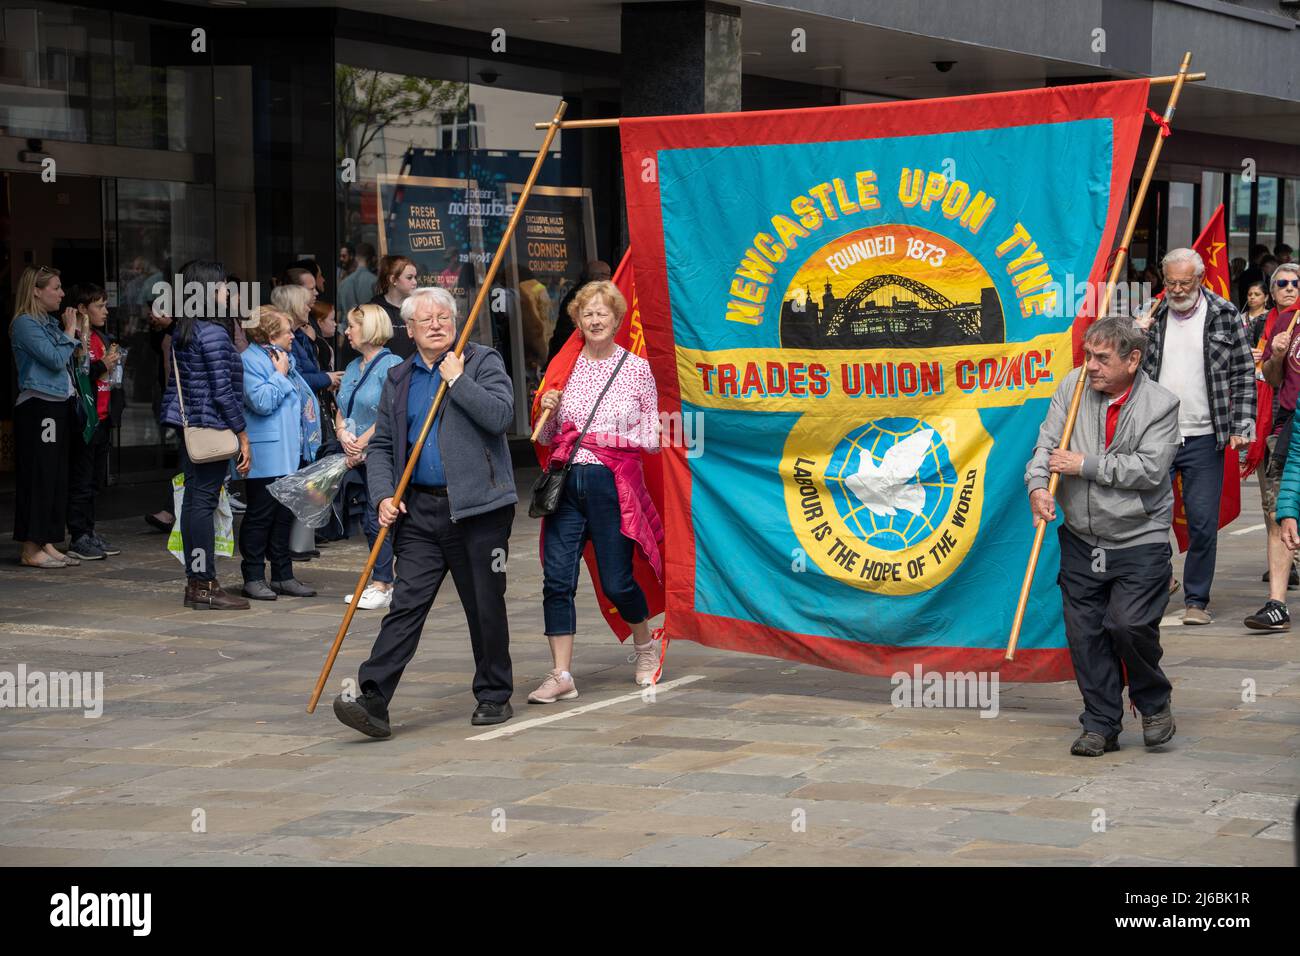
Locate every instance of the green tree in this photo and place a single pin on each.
(368, 102)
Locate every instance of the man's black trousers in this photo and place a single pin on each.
(1113, 602)
(427, 545)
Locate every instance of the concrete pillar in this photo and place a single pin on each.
(680, 58)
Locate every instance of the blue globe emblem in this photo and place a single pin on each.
(916, 481)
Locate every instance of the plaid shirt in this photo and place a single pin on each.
(1229, 368)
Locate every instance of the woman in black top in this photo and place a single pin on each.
(397, 280)
(1256, 313)
(323, 324)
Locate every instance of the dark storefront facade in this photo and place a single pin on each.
(259, 134)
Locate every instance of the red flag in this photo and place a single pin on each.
(1263, 404)
(1212, 246)
(631, 337)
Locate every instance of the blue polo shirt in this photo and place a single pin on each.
(424, 385)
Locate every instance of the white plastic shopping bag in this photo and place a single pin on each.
(223, 521)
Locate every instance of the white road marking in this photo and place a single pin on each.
(511, 728)
(1253, 528)
(1173, 620)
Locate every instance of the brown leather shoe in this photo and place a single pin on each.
(209, 596)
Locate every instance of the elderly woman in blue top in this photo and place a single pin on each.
(295, 302)
(281, 410)
(369, 329)
(211, 378)
(45, 421)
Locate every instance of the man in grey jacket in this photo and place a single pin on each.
(1117, 500)
(456, 514)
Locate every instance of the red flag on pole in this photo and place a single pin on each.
(1212, 246)
(631, 337)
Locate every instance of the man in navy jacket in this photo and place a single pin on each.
(456, 515)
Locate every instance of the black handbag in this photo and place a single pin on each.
(549, 486)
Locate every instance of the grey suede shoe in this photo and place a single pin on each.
(258, 591)
(1158, 728)
(1092, 744)
(292, 588)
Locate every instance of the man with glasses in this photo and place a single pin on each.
(1199, 351)
(1282, 371)
(456, 514)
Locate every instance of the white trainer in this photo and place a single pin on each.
(372, 598)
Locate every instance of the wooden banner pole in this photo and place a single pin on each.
(1121, 260)
(551, 129)
(1177, 78)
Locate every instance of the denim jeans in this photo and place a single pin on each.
(1200, 463)
(383, 571)
(202, 489)
(588, 511)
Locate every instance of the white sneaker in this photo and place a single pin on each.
(372, 598)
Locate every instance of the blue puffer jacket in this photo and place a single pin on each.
(213, 377)
(304, 355)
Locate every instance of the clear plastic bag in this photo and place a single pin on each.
(309, 492)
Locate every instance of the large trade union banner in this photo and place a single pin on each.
(862, 312)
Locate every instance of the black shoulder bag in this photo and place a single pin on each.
(550, 484)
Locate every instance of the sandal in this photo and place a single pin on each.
(45, 562)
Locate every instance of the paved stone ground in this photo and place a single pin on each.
(756, 761)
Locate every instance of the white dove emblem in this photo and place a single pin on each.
(885, 488)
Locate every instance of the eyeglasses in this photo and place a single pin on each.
(425, 321)
(1286, 283)
(1182, 283)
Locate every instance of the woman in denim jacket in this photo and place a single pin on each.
(45, 419)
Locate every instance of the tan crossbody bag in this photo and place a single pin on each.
(203, 444)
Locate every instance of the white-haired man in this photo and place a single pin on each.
(1198, 349)
(456, 515)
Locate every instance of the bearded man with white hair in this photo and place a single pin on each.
(1198, 349)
